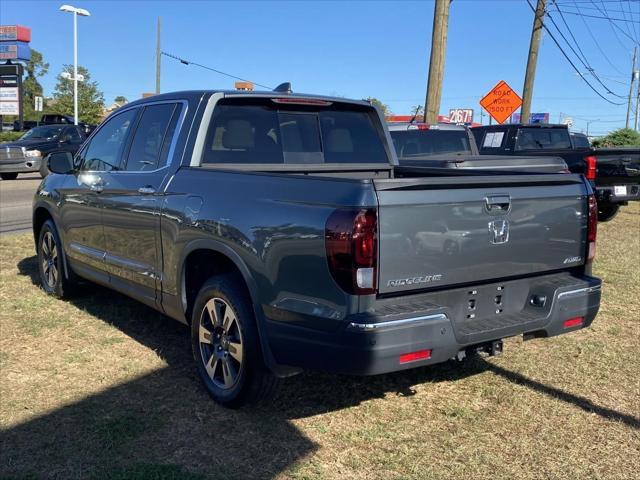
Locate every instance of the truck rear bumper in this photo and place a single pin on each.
(383, 341)
(621, 193)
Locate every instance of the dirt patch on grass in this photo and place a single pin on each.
(103, 387)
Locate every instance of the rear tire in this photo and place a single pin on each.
(226, 346)
(51, 263)
(8, 176)
(607, 211)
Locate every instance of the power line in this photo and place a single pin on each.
(593, 37)
(570, 62)
(585, 63)
(606, 18)
(189, 62)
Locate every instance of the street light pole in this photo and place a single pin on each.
(75, 68)
(84, 13)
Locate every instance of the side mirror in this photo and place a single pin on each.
(60, 162)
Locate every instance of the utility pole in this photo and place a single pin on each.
(635, 123)
(633, 77)
(436, 62)
(532, 61)
(158, 58)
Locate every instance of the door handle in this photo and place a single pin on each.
(498, 203)
(147, 190)
(97, 187)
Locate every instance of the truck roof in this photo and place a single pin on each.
(196, 94)
(519, 125)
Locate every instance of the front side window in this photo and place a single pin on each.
(104, 152)
(150, 135)
(72, 135)
(542, 139)
(292, 134)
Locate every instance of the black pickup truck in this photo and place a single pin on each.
(51, 119)
(614, 172)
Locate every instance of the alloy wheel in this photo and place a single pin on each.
(49, 259)
(220, 340)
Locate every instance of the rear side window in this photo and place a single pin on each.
(104, 152)
(542, 139)
(267, 133)
(423, 143)
(150, 136)
(580, 141)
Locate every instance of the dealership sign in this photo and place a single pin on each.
(14, 33)
(15, 51)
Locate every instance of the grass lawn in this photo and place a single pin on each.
(103, 387)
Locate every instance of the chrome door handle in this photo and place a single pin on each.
(147, 190)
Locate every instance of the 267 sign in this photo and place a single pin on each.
(461, 115)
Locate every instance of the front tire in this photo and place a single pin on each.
(226, 346)
(51, 264)
(607, 211)
(9, 176)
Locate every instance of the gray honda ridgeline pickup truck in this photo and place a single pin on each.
(282, 230)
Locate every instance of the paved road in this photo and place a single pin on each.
(15, 203)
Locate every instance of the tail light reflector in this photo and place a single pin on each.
(351, 243)
(415, 356)
(592, 228)
(590, 172)
(573, 322)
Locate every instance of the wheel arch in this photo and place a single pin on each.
(41, 213)
(228, 261)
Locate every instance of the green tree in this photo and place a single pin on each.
(120, 100)
(35, 68)
(624, 137)
(385, 108)
(90, 98)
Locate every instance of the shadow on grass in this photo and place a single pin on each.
(163, 425)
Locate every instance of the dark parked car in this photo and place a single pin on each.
(275, 226)
(51, 119)
(453, 148)
(27, 154)
(613, 172)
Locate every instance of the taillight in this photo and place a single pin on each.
(351, 242)
(590, 162)
(592, 228)
(423, 126)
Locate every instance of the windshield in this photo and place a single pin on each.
(42, 133)
(412, 144)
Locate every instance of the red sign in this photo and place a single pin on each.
(501, 102)
(14, 33)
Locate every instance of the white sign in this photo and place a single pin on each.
(461, 115)
(38, 103)
(9, 94)
(9, 108)
(493, 140)
(568, 121)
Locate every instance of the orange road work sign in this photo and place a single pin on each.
(501, 102)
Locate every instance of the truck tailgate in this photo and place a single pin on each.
(436, 232)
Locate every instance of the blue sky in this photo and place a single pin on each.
(353, 49)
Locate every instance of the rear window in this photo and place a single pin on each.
(420, 143)
(542, 139)
(268, 133)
